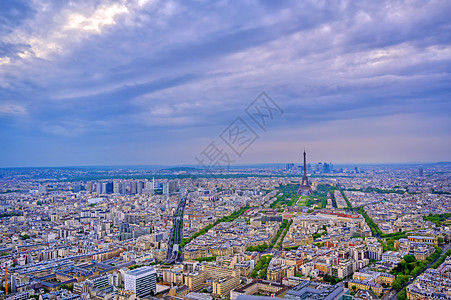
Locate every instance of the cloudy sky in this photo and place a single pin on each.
(155, 82)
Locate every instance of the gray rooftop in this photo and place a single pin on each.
(140, 271)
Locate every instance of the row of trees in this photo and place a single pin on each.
(262, 247)
(439, 192)
(135, 267)
(331, 279)
(279, 244)
(373, 226)
(437, 219)
(279, 232)
(399, 282)
(402, 295)
(204, 230)
(395, 235)
(410, 267)
(441, 260)
(69, 287)
(380, 191)
(291, 248)
(346, 199)
(4, 215)
(209, 258)
(261, 267)
(318, 235)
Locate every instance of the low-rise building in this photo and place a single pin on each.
(223, 286)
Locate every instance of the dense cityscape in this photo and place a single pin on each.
(365, 232)
(225, 150)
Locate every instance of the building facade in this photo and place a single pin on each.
(141, 281)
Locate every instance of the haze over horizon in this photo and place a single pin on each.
(155, 82)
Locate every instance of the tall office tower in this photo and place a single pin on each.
(116, 187)
(99, 188)
(139, 187)
(169, 187)
(172, 187)
(420, 172)
(304, 188)
(326, 167)
(42, 189)
(104, 188)
(78, 188)
(142, 281)
(319, 167)
(165, 188)
(148, 185)
(125, 231)
(153, 183)
(109, 187)
(133, 187)
(89, 187)
(123, 189)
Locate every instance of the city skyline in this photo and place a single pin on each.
(81, 233)
(150, 82)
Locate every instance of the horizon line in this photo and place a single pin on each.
(231, 166)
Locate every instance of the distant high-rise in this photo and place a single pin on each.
(165, 188)
(133, 187)
(326, 167)
(42, 189)
(304, 188)
(89, 187)
(169, 188)
(139, 187)
(290, 167)
(109, 187)
(148, 187)
(123, 188)
(420, 172)
(116, 187)
(98, 188)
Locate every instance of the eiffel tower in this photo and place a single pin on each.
(304, 188)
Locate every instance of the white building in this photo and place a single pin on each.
(375, 251)
(141, 281)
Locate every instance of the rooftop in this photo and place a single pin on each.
(141, 271)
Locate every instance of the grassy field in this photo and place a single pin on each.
(320, 195)
(289, 196)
